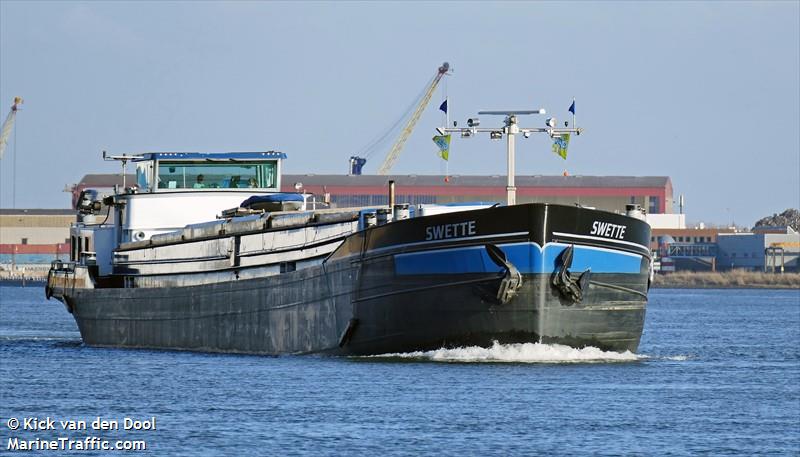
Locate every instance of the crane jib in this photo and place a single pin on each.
(397, 148)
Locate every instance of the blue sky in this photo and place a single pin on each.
(704, 92)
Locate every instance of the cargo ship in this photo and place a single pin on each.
(204, 253)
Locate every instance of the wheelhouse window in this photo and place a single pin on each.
(210, 175)
(144, 173)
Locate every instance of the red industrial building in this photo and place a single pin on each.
(611, 193)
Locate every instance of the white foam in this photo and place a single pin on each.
(518, 353)
(39, 335)
(674, 358)
(678, 358)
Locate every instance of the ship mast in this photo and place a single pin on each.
(511, 129)
(124, 158)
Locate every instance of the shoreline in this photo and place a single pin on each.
(735, 279)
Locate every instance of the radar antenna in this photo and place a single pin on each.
(124, 158)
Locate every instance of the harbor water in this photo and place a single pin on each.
(717, 373)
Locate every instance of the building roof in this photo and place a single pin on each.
(479, 181)
(36, 212)
(105, 180)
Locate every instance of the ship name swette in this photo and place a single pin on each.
(608, 230)
(445, 231)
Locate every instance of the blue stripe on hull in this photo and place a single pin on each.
(527, 257)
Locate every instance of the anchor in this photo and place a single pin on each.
(512, 279)
(573, 289)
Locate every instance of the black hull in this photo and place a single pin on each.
(469, 315)
(441, 316)
(369, 299)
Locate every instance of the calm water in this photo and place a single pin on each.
(717, 374)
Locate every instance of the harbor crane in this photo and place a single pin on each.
(5, 133)
(8, 125)
(357, 162)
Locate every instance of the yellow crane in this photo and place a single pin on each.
(5, 133)
(357, 162)
(397, 147)
(8, 125)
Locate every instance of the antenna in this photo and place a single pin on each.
(510, 129)
(124, 158)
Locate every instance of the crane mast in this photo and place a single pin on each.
(397, 147)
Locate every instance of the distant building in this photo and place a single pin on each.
(34, 235)
(666, 221)
(762, 250)
(610, 193)
(685, 236)
(686, 249)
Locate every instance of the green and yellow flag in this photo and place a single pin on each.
(560, 144)
(443, 141)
